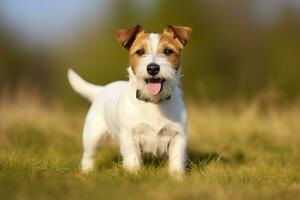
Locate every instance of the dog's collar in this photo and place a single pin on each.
(145, 99)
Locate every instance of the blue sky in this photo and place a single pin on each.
(45, 20)
(53, 21)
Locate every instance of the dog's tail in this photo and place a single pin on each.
(82, 87)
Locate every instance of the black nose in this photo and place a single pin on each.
(153, 69)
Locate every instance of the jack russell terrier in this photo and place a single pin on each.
(145, 114)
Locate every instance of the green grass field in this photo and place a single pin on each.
(238, 150)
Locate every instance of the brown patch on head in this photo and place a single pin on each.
(133, 39)
(167, 43)
(172, 41)
(141, 45)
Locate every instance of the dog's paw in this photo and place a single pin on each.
(87, 165)
(132, 168)
(86, 170)
(177, 174)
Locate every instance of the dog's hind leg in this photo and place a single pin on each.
(92, 134)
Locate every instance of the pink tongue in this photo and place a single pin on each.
(154, 88)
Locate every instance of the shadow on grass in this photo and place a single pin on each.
(115, 159)
(201, 159)
(195, 159)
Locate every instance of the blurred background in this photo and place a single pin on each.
(238, 49)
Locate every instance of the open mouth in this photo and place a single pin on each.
(154, 85)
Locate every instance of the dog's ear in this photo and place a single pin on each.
(126, 36)
(180, 33)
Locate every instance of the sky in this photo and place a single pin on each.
(43, 21)
(50, 22)
(268, 10)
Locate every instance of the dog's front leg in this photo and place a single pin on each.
(130, 151)
(177, 154)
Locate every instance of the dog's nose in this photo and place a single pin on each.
(153, 69)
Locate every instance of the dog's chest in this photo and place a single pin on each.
(153, 140)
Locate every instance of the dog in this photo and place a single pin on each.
(145, 114)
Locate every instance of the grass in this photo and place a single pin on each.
(239, 150)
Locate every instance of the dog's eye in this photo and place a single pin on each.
(140, 52)
(168, 51)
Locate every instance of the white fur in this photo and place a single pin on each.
(154, 40)
(84, 88)
(139, 126)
